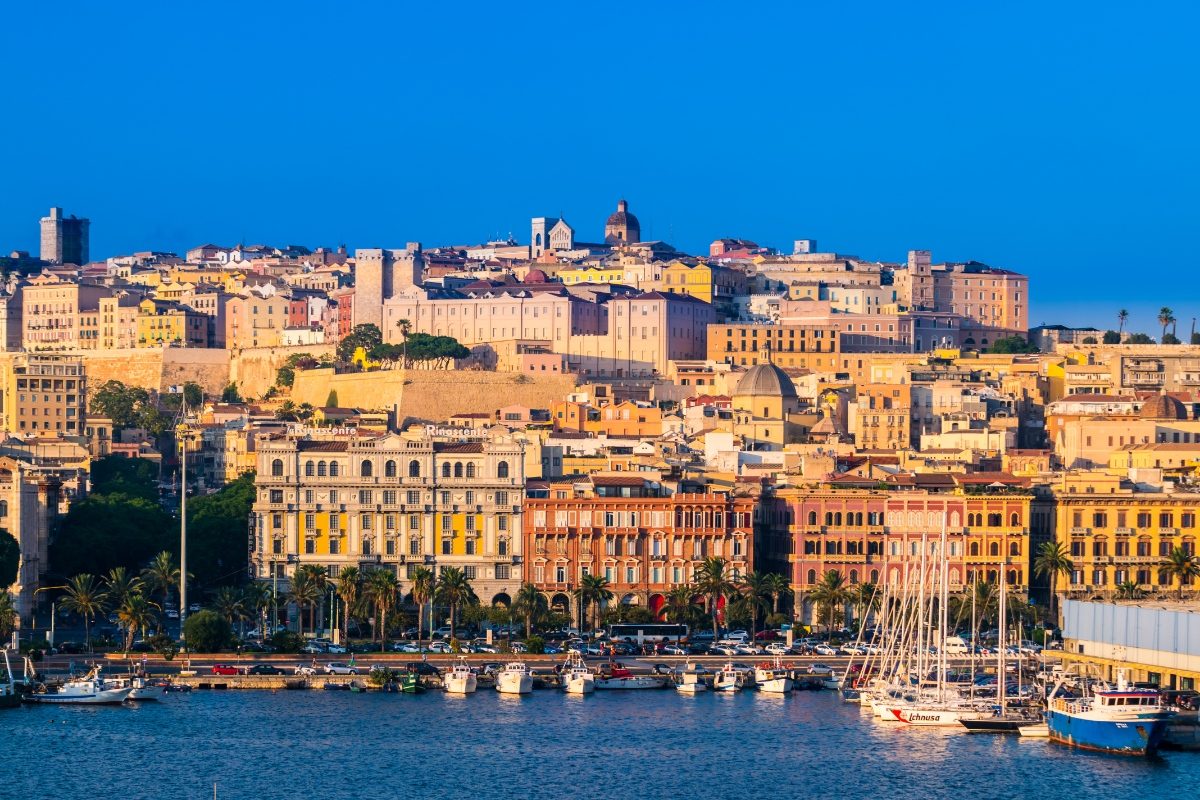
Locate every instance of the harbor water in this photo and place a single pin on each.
(335, 745)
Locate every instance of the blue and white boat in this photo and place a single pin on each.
(1121, 720)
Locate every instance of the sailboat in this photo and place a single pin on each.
(1005, 719)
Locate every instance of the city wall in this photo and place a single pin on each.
(430, 395)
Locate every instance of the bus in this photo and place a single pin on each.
(647, 632)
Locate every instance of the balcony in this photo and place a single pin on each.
(1124, 531)
(1168, 531)
(1081, 531)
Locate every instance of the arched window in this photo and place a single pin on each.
(812, 518)
(309, 468)
(994, 549)
(1015, 520)
(502, 469)
(321, 469)
(458, 470)
(828, 517)
(333, 469)
(853, 576)
(414, 469)
(1014, 548)
(3, 508)
(837, 518)
(389, 469)
(277, 468)
(446, 470)
(470, 470)
(365, 468)
(974, 548)
(812, 577)
(995, 520)
(874, 576)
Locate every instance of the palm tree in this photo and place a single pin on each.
(1181, 565)
(307, 587)
(119, 585)
(405, 326)
(593, 592)
(422, 592)
(1122, 318)
(84, 597)
(161, 575)
(287, 411)
(454, 589)
(754, 593)
(230, 604)
(1053, 559)
(714, 583)
(349, 583)
(865, 600)
(304, 411)
(1165, 317)
(135, 614)
(256, 597)
(382, 588)
(1129, 590)
(679, 605)
(778, 587)
(829, 595)
(530, 604)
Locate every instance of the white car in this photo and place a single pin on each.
(438, 647)
(741, 637)
(723, 649)
(337, 649)
(304, 669)
(824, 650)
(338, 668)
(747, 650)
(777, 649)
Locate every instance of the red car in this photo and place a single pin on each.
(225, 669)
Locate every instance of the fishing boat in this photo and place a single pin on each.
(410, 683)
(88, 690)
(146, 689)
(358, 686)
(729, 679)
(1121, 720)
(690, 679)
(773, 678)
(460, 679)
(8, 688)
(577, 678)
(514, 679)
(617, 676)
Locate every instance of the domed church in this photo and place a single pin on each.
(622, 227)
(764, 398)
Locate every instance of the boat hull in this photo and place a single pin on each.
(149, 692)
(102, 697)
(775, 685)
(1127, 737)
(691, 688)
(461, 684)
(931, 717)
(514, 683)
(637, 682)
(580, 684)
(996, 725)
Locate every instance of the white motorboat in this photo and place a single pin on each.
(773, 678)
(577, 678)
(616, 676)
(144, 688)
(514, 679)
(690, 680)
(1041, 731)
(460, 679)
(729, 679)
(88, 690)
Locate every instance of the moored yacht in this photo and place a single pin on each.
(1121, 720)
(88, 690)
(514, 679)
(460, 679)
(577, 678)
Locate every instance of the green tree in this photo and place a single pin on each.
(1012, 344)
(120, 403)
(1089, 340)
(331, 400)
(865, 598)
(530, 604)
(364, 336)
(593, 592)
(258, 600)
(406, 327)
(349, 585)
(779, 588)
(308, 587)
(1180, 566)
(192, 393)
(1122, 318)
(1170, 338)
(680, 606)
(1053, 559)
(8, 616)
(207, 631)
(1112, 337)
(136, 613)
(136, 477)
(381, 587)
(1138, 338)
(161, 575)
(1195, 338)
(287, 411)
(1165, 318)
(437, 352)
(423, 584)
(229, 602)
(1128, 590)
(120, 586)
(83, 596)
(713, 582)
(230, 394)
(217, 533)
(454, 589)
(829, 596)
(754, 596)
(10, 560)
(103, 531)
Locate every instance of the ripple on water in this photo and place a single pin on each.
(546, 745)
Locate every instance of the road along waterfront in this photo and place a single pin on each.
(336, 745)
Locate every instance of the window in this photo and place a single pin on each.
(412, 497)
(502, 469)
(277, 495)
(470, 470)
(414, 547)
(308, 469)
(365, 468)
(277, 468)
(389, 469)
(503, 572)
(333, 469)
(447, 547)
(446, 470)
(502, 547)
(365, 496)
(321, 469)
(414, 469)
(458, 469)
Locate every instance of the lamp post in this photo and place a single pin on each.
(53, 612)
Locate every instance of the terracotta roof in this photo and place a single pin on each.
(457, 447)
(321, 447)
(617, 480)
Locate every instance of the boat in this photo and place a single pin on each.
(357, 686)
(514, 679)
(410, 683)
(577, 678)
(690, 679)
(729, 679)
(1000, 723)
(334, 686)
(773, 678)
(1121, 720)
(617, 676)
(1036, 731)
(833, 682)
(145, 689)
(9, 698)
(460, 679)
(91, 689)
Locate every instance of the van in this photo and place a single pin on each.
(956, 646)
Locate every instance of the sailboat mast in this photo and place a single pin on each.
(1003, 632)
(943, 616)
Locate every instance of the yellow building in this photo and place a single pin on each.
(394, 502)
(708, 282)
(162, 323)
(1117, 534)
(596, 273)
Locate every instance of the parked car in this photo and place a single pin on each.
(225, 669)
(698, 649)
(312, 647)
(304, 669)
(737, 636)
(264, 669)
(335, 648)
(723, 650)
(442, 632)
(438, 647)
(339, 668)
(768, 636)
(171, 613)
(778, 649)
(674, 650)
(422, 668)
(824, 650)
(518, 647)
(405, 647)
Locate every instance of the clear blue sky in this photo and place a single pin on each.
(1055, 139)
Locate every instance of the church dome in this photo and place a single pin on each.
(622, 225)
(535, 276)
(766, 380)
(1163, 406)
